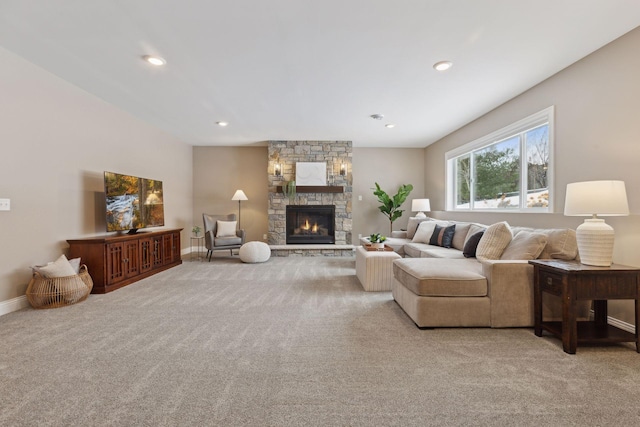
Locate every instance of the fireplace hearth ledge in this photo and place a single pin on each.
(313, 246)
(302, 250)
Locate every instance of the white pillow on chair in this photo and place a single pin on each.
(226, 228)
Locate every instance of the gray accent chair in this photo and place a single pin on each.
(213, 243)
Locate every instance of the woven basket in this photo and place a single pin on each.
(44, 292)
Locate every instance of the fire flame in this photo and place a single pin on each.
(313, 228)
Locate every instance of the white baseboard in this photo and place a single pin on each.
(617, 323)
(14, 304)
(620, 324)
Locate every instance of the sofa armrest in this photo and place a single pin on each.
(399, 234)
(510, 284)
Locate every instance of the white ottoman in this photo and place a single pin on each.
(252, 252)
(374, 269)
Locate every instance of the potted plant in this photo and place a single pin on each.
(391, 205)
(196, 230)
(377, 240)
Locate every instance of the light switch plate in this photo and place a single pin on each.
(5, 204)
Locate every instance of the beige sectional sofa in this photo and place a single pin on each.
(439, 287)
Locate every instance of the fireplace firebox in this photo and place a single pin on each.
(310, 224)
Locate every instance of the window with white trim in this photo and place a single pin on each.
(508, 170)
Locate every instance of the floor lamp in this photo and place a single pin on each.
(239, 196)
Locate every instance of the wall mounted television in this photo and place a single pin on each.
(132, 202)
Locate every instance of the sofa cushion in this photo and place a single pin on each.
(437, 252)
(413, 250)
(494, 241)
(525, 245)
(459, 237)
(441, 277)
(471, 245)
(413, 224)
(443, 236)
(561, 244)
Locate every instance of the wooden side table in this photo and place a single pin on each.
(573, 282)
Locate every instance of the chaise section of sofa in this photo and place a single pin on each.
(440, 287)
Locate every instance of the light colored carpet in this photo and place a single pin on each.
(291, 342)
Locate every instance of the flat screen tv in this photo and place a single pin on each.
(132, 202)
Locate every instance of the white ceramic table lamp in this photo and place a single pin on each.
(594, 199)
(420, 205)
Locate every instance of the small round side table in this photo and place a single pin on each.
(198, 242)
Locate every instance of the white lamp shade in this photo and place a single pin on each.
(420, 205)
(601, 198)
(239, 195)
(594, 236)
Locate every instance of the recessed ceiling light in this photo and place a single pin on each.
(222, 123)
(442, 65)
(154, 60)
(389, 125)
(377, 116)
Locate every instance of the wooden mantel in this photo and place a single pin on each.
(315, 189)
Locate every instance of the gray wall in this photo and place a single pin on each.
(389, 167)
(57, 141)
(597, 136)
(216, 178)
(218, 172)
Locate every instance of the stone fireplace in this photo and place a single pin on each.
(336, 194)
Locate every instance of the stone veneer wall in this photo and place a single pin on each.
(287, 153)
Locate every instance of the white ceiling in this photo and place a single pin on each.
(310, 70)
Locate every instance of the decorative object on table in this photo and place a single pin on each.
(58, 284)
(420, 205)
(239, 196)
(391, 205)
(311, 173)
(377, 240)
(596, 198)
(196, 230)
(289, 190)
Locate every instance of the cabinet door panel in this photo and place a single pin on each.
(132, 259)
(146, 255)
(115, 261)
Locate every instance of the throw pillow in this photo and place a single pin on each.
(443, 236)
(58, 268)
(462, 230)
(413, 224)
(226, 228)
(424, 232)
(561, 244)
(471, 245)
(474, 229)
(75, 263)
(494, 241)
(525, 245)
